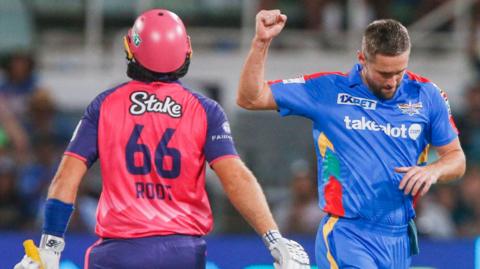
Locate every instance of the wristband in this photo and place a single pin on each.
(56, 218)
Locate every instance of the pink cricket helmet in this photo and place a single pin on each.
(158, 41)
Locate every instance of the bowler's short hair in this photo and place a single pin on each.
(386, 37)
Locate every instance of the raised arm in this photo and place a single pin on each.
(253, 92)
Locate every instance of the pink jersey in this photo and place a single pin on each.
(152, 141)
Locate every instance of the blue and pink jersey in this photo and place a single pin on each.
(152, 141)
(360, 139)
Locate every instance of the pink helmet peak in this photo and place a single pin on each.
(158, 41)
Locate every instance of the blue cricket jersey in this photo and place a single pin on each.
(360, 139)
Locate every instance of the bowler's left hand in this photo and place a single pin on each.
(417, 178)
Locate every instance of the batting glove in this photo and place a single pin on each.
(287, 254)
(27, 263)
(47, 256)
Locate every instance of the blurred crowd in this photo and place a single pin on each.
(317, 14)
(34, 133)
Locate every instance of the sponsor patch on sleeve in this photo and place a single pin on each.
(299, 79)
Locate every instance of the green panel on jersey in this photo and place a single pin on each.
(331, 166)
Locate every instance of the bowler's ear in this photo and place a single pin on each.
(361, 58)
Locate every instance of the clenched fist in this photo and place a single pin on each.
(269, 23)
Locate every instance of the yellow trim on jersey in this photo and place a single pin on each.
(323, 144)
(423, 159)
(327, 228)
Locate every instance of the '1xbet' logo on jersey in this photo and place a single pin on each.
(347, 99)
(397, 132)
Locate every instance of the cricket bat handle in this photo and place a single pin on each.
(32, 251)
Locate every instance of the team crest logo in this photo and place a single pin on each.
(136, 39)
(411, 109)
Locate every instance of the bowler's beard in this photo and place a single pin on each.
(377, 89)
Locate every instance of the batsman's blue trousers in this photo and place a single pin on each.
(158, 252)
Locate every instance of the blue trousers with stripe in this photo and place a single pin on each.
(343, 243)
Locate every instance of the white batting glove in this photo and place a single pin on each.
(27, 263)
(287, 254)
(49, 251)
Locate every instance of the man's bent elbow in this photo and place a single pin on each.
(243, 103)
(461, 168)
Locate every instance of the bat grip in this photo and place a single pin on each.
(32, 251)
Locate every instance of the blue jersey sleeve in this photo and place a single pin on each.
(219, 141)
(442, 126)
(298, 96)
(84, 142)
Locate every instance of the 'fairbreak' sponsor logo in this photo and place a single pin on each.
(413, 131)
(347, 99)
(225, 135)
(143, 102)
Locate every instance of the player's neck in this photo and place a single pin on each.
(364, 80)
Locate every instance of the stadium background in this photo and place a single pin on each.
(56, 56)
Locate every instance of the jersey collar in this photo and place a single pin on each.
(354, 77)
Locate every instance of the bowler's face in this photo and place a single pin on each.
(383, 74)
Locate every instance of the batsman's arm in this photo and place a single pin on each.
(246, 195)
(243, 190)
(66, 181)
(58, 209)
(253, 92)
